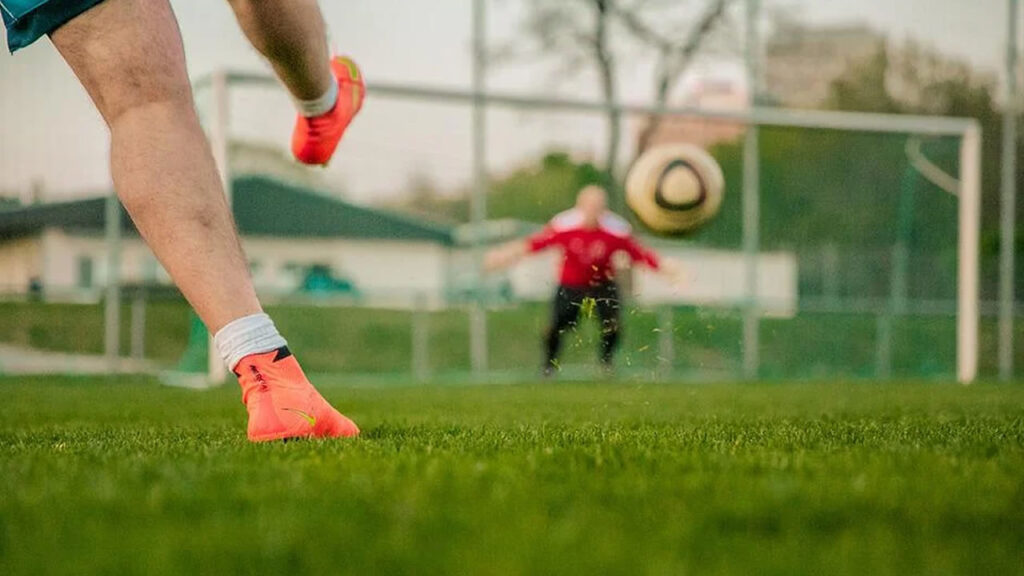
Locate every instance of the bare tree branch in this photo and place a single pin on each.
(581, 31)
(674, 58)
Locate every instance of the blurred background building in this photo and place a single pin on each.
(802, 62)
(300, 241)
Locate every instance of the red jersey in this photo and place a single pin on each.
(587, 252)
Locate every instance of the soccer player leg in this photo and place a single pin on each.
(609, 311)
(292, 37)
(328, 93)
(128, 56)
(565, 313)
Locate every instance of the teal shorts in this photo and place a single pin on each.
(27, 20)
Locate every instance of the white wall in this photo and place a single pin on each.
(712, 278)
(719, 278)
(381, 270)
(19, 262)
(384, 271)
(62, 252)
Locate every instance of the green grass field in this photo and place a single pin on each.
(127, 477)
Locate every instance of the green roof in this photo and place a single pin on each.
(262, 206)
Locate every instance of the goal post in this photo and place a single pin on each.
(219, 133)
(966, 130)
(968, 267)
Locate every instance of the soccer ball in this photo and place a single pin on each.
(674, 189)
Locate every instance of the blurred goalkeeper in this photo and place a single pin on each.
(129, 58)
(589, 236)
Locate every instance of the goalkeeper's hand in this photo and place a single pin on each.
(504, 256)
(673, 271)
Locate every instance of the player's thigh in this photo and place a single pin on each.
(126, 53)
(566, 308)
(609, 306)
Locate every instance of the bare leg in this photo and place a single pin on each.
(128, 56)
(290, 34)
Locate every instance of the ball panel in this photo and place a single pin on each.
(680, 187)
(674, 189)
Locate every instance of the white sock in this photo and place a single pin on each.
(255, 334)
(319, 106)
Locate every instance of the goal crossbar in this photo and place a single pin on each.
(822, 119)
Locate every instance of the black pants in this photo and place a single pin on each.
(601, 301)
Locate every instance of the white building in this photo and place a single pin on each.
(299, 242)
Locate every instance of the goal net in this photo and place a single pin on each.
(846, 246)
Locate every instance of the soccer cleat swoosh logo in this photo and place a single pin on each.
(304, 414)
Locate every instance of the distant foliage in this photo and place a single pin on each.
(912, 79)
(533, 192)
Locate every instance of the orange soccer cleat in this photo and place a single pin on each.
(281, 402)
(315, 139)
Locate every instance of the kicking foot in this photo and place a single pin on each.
(315, 139)
(281, 402)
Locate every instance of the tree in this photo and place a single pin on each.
(423, 199)
(863, 87)
(579, 32)
(533, 192)
(581, 35)
(674, 57)
(913, 79)
(536, 192)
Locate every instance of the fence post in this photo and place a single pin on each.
(1008, 195)
(220, 142)
(830, 270)
(138, 328)
(112, 300)
(751, 201)
(420, 339)
(666, 341)
(883, 344)
(478, 200)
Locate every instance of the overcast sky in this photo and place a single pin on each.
(49, 131)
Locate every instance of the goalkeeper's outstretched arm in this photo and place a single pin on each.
(510, 254)
(505, 256)
(670, 268)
